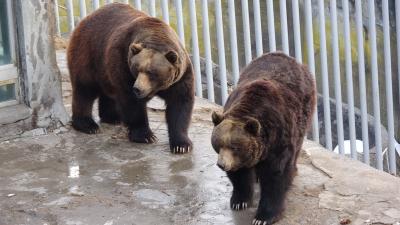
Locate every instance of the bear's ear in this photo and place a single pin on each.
(135, 48)
(253, 126)
(216, 118)
(172, 57)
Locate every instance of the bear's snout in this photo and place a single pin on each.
(226, 159)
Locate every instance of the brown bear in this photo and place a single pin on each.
(262, 128)
(125, 57)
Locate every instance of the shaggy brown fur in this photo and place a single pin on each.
(109, 50)
(264, 122)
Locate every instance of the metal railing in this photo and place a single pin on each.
(322, 53)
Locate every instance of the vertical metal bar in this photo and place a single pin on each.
(152, 7)
(221, 51)
(375, 84)
(179, 18)
(325, 80)
(296, 29)
(82, 8)
(246, 31)
(284, 29)
(362, 83)
(257, 27)
(57, 18)
(271, 25)
(195, 47)
(96, 4)
(388, 88)
(398, 41)
(336, 76)
(233, 40)
(349, 78)
(138, 4)
(165, 11)
(207, 50)
(311, 60)
(70, 15)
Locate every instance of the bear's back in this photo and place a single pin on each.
(280, 68)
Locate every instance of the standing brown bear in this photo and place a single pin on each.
(262, 128)
(125, 57)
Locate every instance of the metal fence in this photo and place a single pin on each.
(300, 42)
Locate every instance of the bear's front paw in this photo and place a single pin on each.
(141, 135)
(239, 203)
(85, 125)
(266, 218)
(180, 145)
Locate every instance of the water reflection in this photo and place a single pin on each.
(73, 170)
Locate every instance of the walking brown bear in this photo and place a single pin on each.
(125, 57)
(262, 129)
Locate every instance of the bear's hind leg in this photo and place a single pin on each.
(107, 110)
(134, 114)
(242, 181)
(274, 186)
(82, 105)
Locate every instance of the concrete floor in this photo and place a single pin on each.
(66, 177)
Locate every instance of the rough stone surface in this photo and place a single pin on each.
(66, 177)
(40, 82)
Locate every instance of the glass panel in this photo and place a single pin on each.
(5, 56)
(7, 92)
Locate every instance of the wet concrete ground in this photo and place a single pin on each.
(66, 177)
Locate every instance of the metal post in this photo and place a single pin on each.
(362, 83)
(388, 88)
(195, 46)
(82, 8)
(179, 18)
(165, 11)
(325, 80)
(138, 4)
(207, 49)
(70, 15)
(336, 76)
(221, 51)
(296, 29)
(152, 7)
(311, 61)
(349, 78)
(271, 25)
(246, 31)
(233, 40)
(257, 27)
(96, 4)
(284, 29)
(57, 18)
(375, 84)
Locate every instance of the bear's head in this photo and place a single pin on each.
(154, 70)
(237, 141)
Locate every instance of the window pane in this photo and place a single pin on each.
(7, 92)
(5, 56)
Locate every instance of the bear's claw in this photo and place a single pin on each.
(181, 150)
(239, 206)
(180, 145)
(85, 125)
(260, 222)
(142, 136)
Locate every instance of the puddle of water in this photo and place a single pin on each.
(153, 197)
(73, 170)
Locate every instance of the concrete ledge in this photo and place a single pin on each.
(12, 114)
